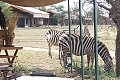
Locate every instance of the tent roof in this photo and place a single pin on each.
(29, 9)
(32, 3)
(36, 13)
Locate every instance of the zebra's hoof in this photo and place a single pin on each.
(50, 56)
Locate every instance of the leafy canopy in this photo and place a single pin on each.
(6, 10)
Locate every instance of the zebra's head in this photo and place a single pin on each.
(53, 34)
(109, 65)
(48, 35)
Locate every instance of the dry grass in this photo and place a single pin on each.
(40, 61)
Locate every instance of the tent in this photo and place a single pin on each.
(32, 3)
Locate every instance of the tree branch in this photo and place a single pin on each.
(111, 2)
(102, 6)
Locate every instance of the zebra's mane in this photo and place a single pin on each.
(55, 30)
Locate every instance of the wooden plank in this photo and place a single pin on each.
(10, 48)
(2, 64)
(6, 68)
(5, 56)
(1, 33)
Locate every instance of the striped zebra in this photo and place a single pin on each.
(53, 40)
(88, 45)
(84, 30)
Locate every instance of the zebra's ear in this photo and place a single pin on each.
(52, 29)
(63, 31)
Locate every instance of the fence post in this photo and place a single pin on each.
(96, 41)
(69, 33)
(82, 61)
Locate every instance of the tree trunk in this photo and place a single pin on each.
(115, 15)
(117, 53)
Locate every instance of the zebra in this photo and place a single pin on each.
(84, 29)
(88, 45)
(53, 39)
(85, 32)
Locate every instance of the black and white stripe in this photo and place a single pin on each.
(84, 30)
(53, 39)
(88, 45)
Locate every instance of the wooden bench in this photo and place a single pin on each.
(10, 58)
(8, 76)
(5, 70)
(2, 47)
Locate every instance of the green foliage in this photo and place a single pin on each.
(43, 9)
(100, 18)
(61, 13)
(6, 10)
(22, 69)
(90, 73)
(76, 65)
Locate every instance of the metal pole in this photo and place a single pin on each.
(96, 41)
(69, 33)
(82, 61)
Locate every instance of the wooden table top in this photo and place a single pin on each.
(11, 48)
(6, 68)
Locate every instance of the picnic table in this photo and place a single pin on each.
(10, 67)
(10, 58)
(10, 61)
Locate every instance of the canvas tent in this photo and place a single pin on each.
(32, 3)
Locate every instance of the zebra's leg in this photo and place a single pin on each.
(88, 60)
(65, 62)
(64, 59)
(60, 52)
(64, 50)
(49, 45)
(62, 55)
(61, 61)
(92, 60)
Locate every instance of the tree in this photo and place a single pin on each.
(43, 9)
(113, 9)
(6, 10)
(61, 13)
(100, 18)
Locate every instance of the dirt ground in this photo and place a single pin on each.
(34, 37)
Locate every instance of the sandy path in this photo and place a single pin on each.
(112, 53)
